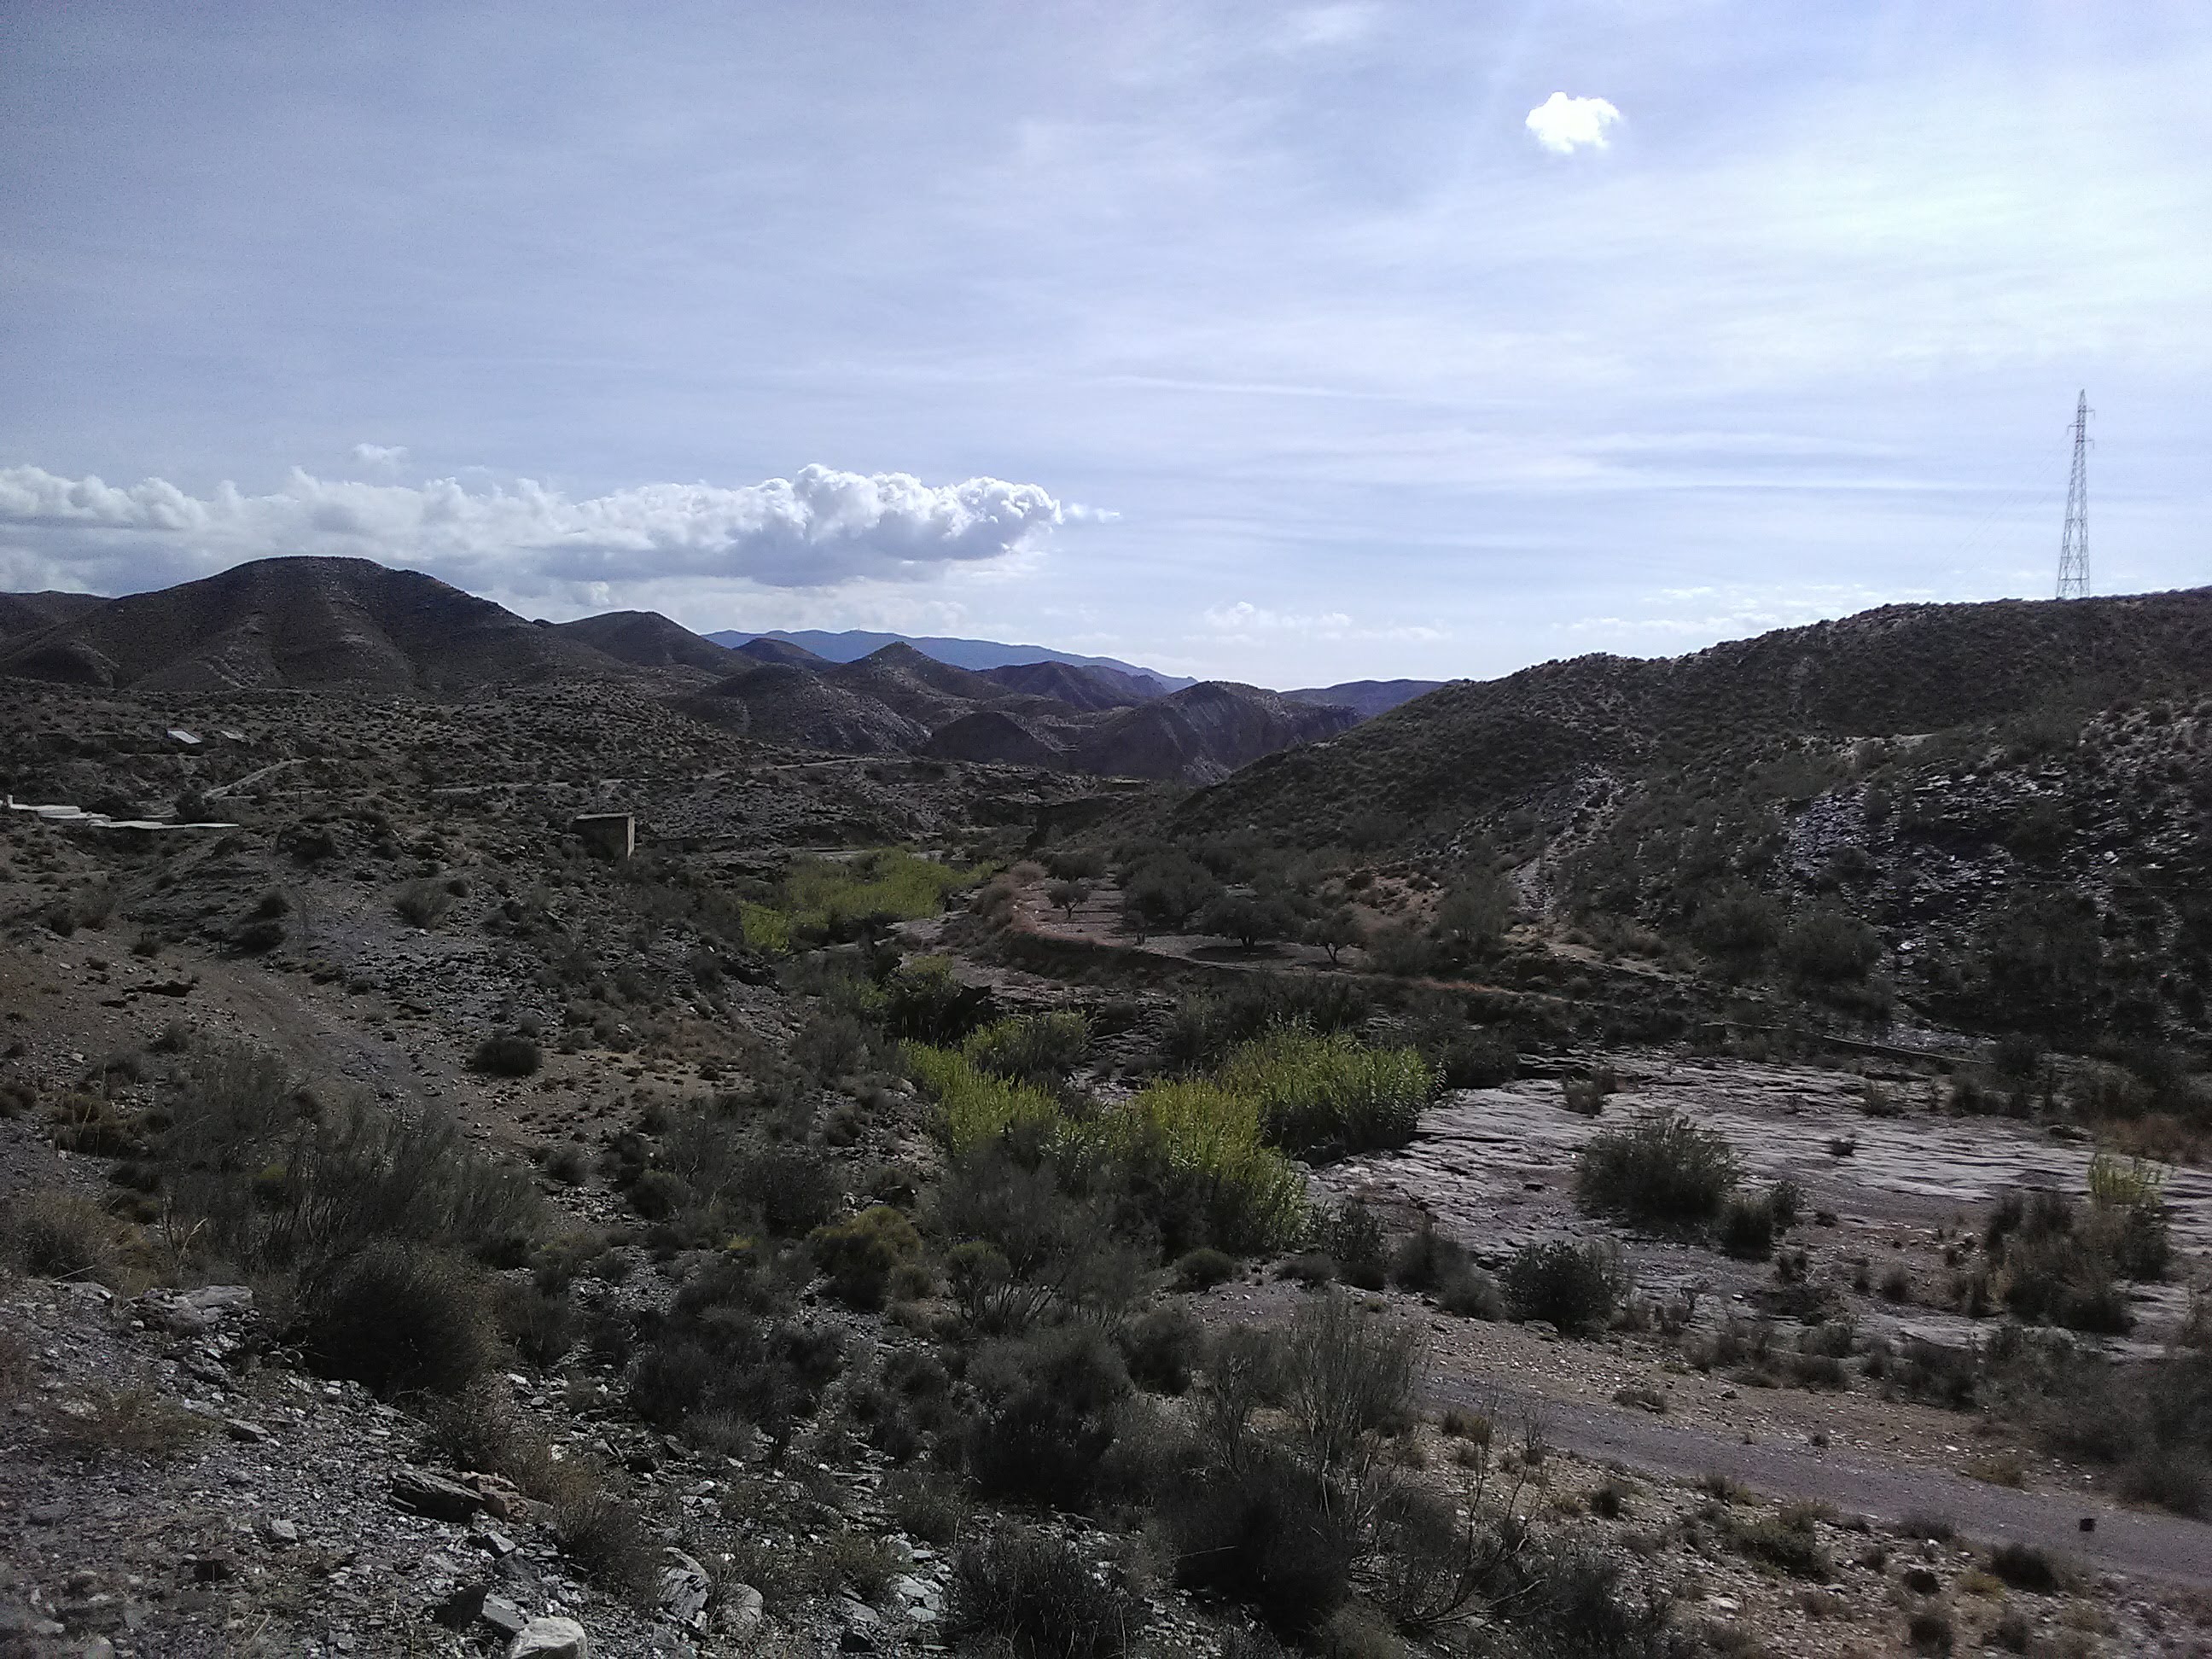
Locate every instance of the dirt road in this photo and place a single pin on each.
(2124, 1541)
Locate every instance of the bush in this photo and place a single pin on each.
(1049, 1414)
(604, 1530)
(1573, 1286)
(423, 904)
(506, 1053)
(1331, 1092)
(1787, 1540)
(1662, 1172)
(1040, 1596)
(1470, 1293)
(1163, 1349)
(924, 1003)
(1352, 1235)
(60, 1234)
(1265, 1535)
(859, 1256)
(399, 1319)
(1346, 1375)
(1203, 1268)
(1746, 1227)
(2024, 1567)
(1034, 1048)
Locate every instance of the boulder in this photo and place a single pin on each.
(550, 1638)
(434, 1495)
(684, 1590)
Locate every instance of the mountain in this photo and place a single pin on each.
(764, 649)
(855, 644)
(1367, 698)
(301, 623)
(1204, 732)
(646, 639)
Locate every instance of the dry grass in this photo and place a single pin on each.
(138, 1421)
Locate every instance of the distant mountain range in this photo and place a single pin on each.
(355, 625)
(853, 644)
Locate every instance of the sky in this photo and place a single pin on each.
(1283, 343)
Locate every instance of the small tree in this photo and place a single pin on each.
(1067, 894)
(1334, 931)
(1248, 918)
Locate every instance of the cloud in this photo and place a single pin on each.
(380, 454)
(820, 529)
(1247, 623)
(1564, 125)
(1340, 25)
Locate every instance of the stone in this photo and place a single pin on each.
(47, 1515)
(502, 1499)
(434, 1495)
(550, 1638)
(741, 1613)
(238, 1429)
(503, 1615)
(280, 1532)
(458, 1609)
(493, 1540)
(685, 1588)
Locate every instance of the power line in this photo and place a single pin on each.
(2073, 541)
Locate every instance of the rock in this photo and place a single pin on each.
(502, 1498)
(280, 1532)
(238, 1429)
(47, 1515)
(550, 1638)
(741, 1613)
(434, 1495)
(492, 1538)
(684, 1590)
(503, 1615)
(460, 1608)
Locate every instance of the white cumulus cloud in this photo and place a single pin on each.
(820, 529)
(380, 454)
(1564, 125)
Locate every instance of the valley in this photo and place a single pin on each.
(1639, 1158)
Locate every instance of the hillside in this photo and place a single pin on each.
(1471, 748)
(26, 613)
(1999, 811)
(300, 623)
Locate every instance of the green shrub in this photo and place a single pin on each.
(1331, 1092)
(923, 1002)
(1573, 1286)
(1662, 1172)
(1205, 1027)
(1265, 1535)
(423, 904)
(977, 1105)
(2025, 1568)
(63, 1235)
(1350, 1235)
(859, 1256)
(1163, 1349)
(1033, 1048)
(399, 1319)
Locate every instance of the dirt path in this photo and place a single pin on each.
(2125, 1540)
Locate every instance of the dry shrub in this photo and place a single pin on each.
(1040, 1596)
(399, 1319)
(601, 1528)
(138, 1421)
(63, 1235)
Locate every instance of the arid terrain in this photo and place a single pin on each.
(500, 1153)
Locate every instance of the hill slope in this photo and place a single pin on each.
(301, 623)
(1204, 733)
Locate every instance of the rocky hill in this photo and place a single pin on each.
(26, 613)
(303, 622)
(2001, 810)
(1205, 733)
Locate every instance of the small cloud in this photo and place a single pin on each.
(1331, 25)
(1564, 125)
(380, 454)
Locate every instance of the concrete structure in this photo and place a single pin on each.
(612, 834)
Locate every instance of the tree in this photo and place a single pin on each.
(1475, 913)
(1248, 918)
(1067, 894)
(1333, 930)
(1168, 891)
